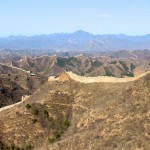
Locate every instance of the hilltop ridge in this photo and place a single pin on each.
(70, 75)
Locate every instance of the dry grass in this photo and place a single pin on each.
(101, 116)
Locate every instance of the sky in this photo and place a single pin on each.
(33, 17)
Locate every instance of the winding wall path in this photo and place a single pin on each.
(105, 79)
(82, 79)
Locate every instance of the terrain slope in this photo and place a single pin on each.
(65, 114)
(15, 83)
(84, 65)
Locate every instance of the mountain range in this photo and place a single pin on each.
(79, 40)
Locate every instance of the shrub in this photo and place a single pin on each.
(62, 132)
(12, 147)
(36, 112)
(124, 65)
(67, 123)
(113, 62)
(28, 78)
(1, 148)
(63, 61)
(57, 136)
(16, 78)
(132, 66)
(34, 121)
(28, 106)
(108, 72)
(29, 147)
(51, 140)
(129, 74)
(96, 63)
(46, 113)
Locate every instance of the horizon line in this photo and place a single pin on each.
(94, 34)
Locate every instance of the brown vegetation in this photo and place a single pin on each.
(73, 115)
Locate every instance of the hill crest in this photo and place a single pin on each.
(66, 76)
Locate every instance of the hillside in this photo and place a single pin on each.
(134, 54)
(66, 114)
(15, 83)
(84, 65)
(79, 40)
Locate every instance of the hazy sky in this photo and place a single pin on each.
(29, 17)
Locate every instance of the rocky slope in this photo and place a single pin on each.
(15, 83)
(134, 54)
(66, 114)
(84, 65)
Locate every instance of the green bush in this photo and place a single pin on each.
(129, 74)
(16, 78)
(132, 66)
(51, 140)
(1, 148)
(34, 121)
(96, 63)
(28, 106)
(57, 136)
(67, 123)
(63, 61)
(108, 72)
(36, 112)
(124, 65)
(29, 147)
(46, 113)
(113, 62)
(12, 147)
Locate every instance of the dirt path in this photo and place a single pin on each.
(133, 55)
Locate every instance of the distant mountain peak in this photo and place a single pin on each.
(81, 32)
(80, 40)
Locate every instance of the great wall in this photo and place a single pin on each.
(69, 75)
